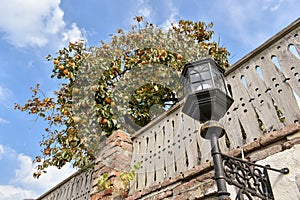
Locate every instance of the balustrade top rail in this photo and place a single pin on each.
(263, 84)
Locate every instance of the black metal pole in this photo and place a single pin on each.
(219, 170)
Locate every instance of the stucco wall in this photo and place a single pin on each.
(285, 186)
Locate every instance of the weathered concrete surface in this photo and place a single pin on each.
(285, 186)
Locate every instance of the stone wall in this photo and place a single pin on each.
(114, 158)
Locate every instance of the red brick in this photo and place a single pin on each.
(277, 135)
(134, 196)
(234, 152)
(200, 169)
(118, 134)
(151, 188)
(201, 190)
(209, 175)
(120, 166)
(97, 196)
(180, 197)
(172, 180)
(249, 147)
(184, 187)
(108, 191)
(160, 195)
(264, 153)
(99, 165)
(121, 158)
(126, 146)
(103, 170)
(291, 143)
(109, 152)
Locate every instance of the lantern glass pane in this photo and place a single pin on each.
(205, 84)
(195, 77)
(187, 85)
(205, 75)
(219, 80)
(200, 77)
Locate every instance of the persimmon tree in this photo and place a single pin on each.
(123, 83)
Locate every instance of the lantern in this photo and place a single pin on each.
(206, 96)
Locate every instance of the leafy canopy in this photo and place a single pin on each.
(122, 83)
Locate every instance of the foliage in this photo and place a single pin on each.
(130, 79)
(121, 182)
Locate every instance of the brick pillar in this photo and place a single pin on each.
(113, 158)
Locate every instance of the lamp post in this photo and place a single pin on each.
(207, 100)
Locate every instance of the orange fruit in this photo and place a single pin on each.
(47, 152)
(95, 88)
(163, 54)
(56, 62)
(38, 159)
(65, 72)
(107, 100)
(66, 112)
(114, 67)
(75, 90)
(103, 121)
(179, 56)
(61, 67)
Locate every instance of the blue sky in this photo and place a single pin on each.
(31, 29)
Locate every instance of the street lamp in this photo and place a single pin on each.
(207, 100)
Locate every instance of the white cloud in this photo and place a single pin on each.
(23, 185)
(172, 16)
(272, 5)
(169, 15)
(250, 23)
(145, 11)
(73, 34)
(1, 151)
(4, 93)
(23, 175)
(6, 96)
(3, 121)
(33, 23)
(10, 192)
